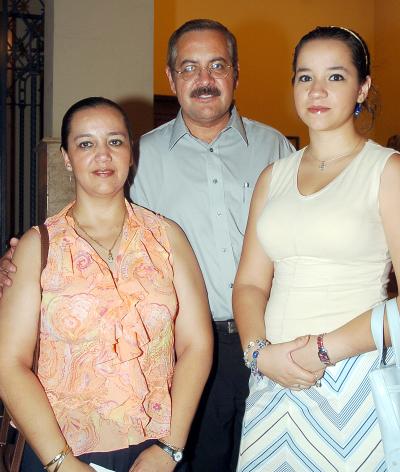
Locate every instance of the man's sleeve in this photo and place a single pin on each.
(141, 189)
(285, 147)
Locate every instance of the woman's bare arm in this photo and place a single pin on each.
(20, 389)
(250, 294)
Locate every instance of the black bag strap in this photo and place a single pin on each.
(5, 423)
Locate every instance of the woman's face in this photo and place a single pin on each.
(326, 85)
(99, 151)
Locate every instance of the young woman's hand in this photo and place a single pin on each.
(275, 362)
(307, 356)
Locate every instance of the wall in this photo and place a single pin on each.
(93, 48)
(387, 67)
(267, 32)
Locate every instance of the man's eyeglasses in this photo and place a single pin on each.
(217, 70)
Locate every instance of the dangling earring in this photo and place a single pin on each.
(69, 169)
(357, 109)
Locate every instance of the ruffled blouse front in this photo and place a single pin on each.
(107, 338)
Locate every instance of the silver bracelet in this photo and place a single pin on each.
(258, 345)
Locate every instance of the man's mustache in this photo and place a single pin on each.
(207, 90)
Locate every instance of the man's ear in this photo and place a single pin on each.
(237, 77)
(170, 79)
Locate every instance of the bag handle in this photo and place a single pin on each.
(393, 317)
(377, 328)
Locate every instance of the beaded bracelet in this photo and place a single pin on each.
(322, 352)
(59, 458)
(258, 345)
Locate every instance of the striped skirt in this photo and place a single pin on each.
(326, 429)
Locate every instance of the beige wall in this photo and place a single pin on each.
(267, 32)
(99, 47)
(387, 67)
(92, 47)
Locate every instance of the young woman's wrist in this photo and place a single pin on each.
(251, 354)
(333, 347)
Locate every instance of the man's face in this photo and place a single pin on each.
(205, 101)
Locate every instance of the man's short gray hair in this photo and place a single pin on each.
(203, 25)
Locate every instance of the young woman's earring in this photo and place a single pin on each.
(357, 109)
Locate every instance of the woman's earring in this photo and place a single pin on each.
(357, 109)
(69, 169)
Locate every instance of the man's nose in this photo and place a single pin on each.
(204, 75)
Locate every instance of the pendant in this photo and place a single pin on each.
(322, 166)
(110, 257)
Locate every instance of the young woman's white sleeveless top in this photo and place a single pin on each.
(331, 260)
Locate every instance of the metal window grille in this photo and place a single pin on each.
(21, 116)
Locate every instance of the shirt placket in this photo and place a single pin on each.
(219, 218)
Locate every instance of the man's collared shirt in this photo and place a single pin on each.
(206, 188)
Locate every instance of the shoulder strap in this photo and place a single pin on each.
(44, 241)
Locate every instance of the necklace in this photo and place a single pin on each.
(110, 257)
(324, 163)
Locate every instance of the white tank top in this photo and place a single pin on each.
(331, 260)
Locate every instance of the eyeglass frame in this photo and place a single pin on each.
(200, 68)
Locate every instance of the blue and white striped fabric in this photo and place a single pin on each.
(327, 429)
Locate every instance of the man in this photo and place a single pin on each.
(200, 170)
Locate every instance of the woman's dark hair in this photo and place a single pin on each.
(203, 25)
(90, 102)
(394, 142)
(356, 44)
(359, 54)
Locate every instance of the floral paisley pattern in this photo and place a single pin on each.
(107, 338)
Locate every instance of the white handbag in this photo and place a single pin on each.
(385, 383)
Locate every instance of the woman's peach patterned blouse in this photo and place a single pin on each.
(107, 339)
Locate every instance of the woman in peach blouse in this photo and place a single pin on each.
(125, 337)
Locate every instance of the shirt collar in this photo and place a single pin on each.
(179, 128)
(236, 123)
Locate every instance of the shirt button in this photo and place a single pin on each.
(224, 249)
(215, 181)
(230, 285)
(211, 150)
(219, 213)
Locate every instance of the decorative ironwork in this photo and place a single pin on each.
(21, 118)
